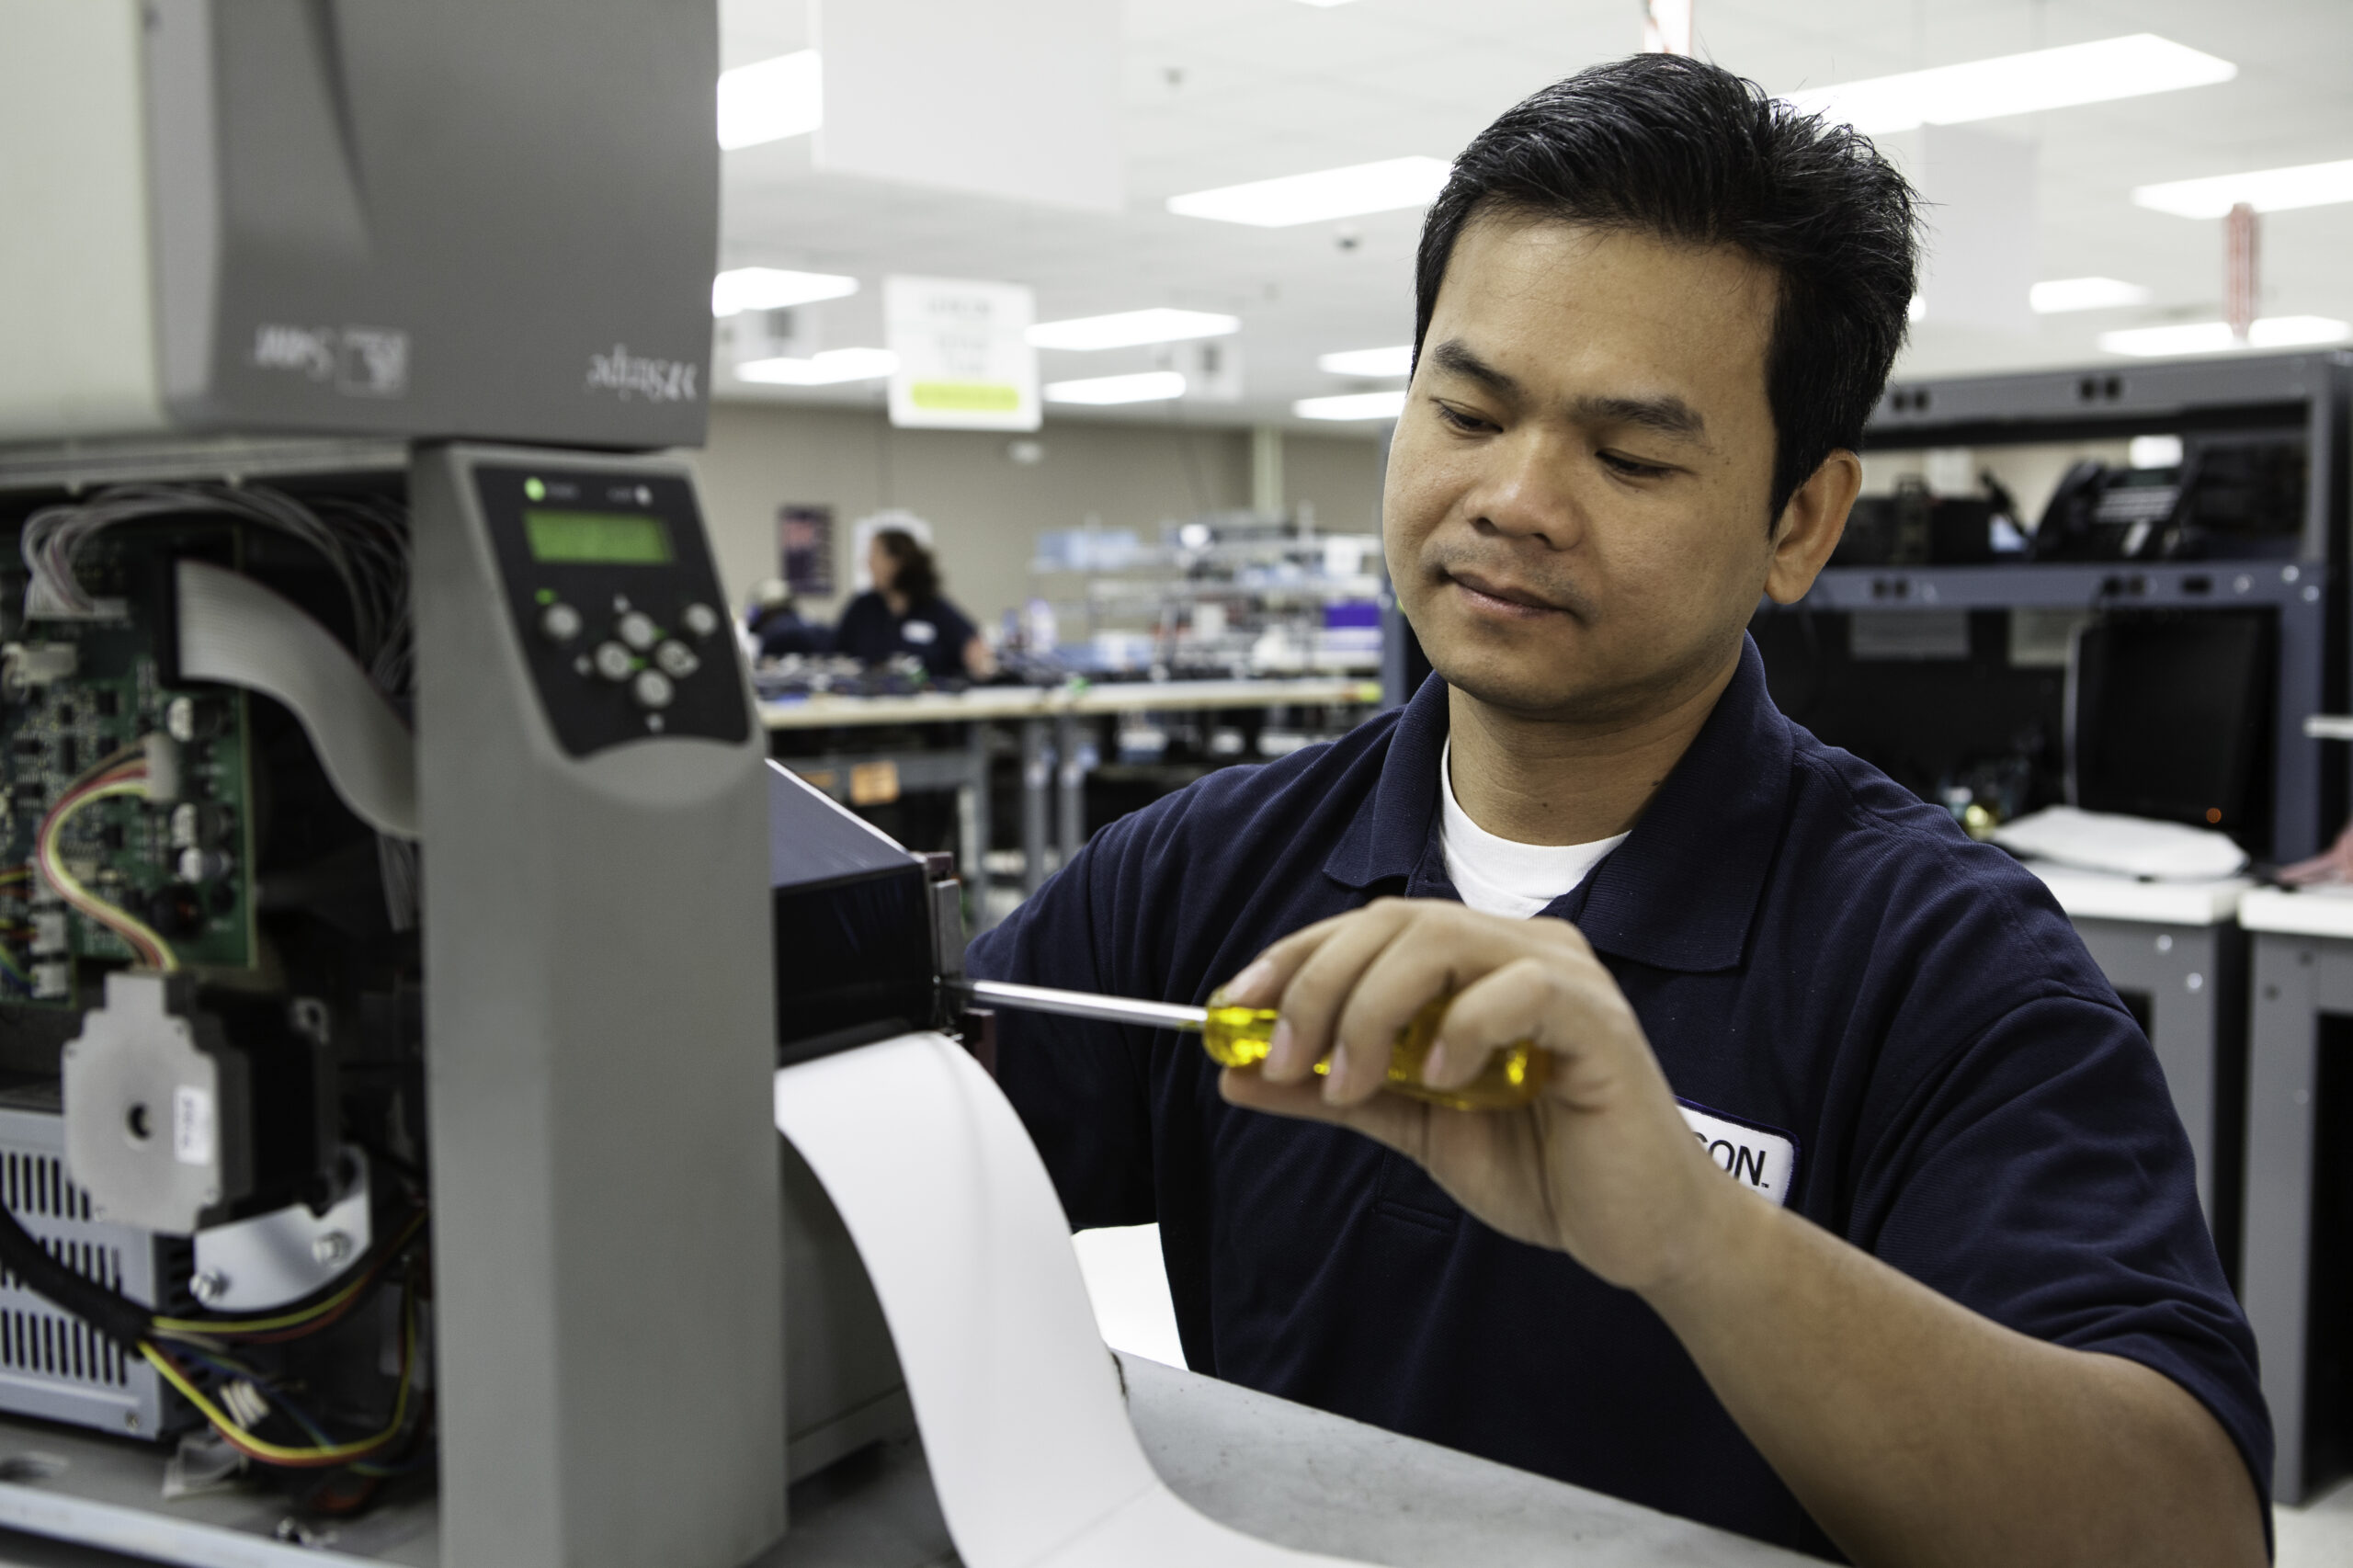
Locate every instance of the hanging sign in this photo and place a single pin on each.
(964, 357)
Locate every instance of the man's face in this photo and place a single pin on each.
(1576, 509)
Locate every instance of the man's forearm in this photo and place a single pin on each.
(1918, 1432)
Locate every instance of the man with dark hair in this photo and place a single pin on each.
(1930, 1283)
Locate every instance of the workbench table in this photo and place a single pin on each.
(1054, 772)
(1295, 1476)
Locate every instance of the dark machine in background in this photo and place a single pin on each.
(2199, 605)
(2232, 497)
(2169, 718)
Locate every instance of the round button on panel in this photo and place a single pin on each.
(699, 619)
(560, 623)
(677, 660)
(637, 629)
(652, 689)
(613, 661)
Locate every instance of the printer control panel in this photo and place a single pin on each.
(610, 583)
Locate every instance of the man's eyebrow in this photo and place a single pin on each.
(1455, 356)
(1666, 415)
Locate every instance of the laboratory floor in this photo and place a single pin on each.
(1130, 1292)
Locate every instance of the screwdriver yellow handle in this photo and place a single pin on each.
(1238, 1037)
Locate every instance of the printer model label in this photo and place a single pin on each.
(1760, 1158)
(363, 361)
(628, 375)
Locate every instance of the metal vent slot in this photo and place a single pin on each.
(53, 1365)
(64, 1348)
(88, 1259)
(36, 1184)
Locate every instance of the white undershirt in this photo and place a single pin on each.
(1496, 876)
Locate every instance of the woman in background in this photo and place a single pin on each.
(904, 613)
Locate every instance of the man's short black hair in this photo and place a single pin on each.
(1688, 152)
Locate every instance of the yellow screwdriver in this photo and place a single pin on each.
(1237, 1037)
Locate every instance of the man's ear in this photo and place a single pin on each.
(1809, 527)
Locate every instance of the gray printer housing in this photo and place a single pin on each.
(481, 219)
(248, 222)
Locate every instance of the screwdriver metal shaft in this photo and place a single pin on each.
(1088, 1005)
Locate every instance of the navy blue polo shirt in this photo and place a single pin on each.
(1810, 950)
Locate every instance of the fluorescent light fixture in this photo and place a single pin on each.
(2266, 190)
(2154, 452)
(2062, 294)
(774, 289)
(770, 99)
(1128, 328)
(828, 368)
(1353, 405)
(1384, 187)
(1397, 361)
(2214, 337)
(1147, 386)
(2017, 84)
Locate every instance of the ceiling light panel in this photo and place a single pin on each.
(1396, 361)
(774, 289)
(2266, 190)
(1128, 328)
(2215, 337)
(2017, 84)
(1352, 405)
(1148, 386)
(1386, 187)
(831, 368)
(770, 99)
(2062, 294)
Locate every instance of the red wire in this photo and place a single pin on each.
(131, 768)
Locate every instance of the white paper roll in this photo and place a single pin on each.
(1018, 1399)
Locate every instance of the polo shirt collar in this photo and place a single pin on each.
(1681, 893)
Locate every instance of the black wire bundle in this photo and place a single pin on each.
(113, 1313)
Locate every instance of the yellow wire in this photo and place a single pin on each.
(266, 1449)
(70, 888)
(201, 1327)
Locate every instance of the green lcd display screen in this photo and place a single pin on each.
(606, 539)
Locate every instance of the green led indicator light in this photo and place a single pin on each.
(545, 595)
(534, 489)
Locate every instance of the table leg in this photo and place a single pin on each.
(2283, 1066)
(1071, 835)
(1036, 776)
(974, 825)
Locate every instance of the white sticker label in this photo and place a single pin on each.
(192, 1125)
(1764, 1161)
(920, 632)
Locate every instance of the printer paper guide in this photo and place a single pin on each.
(1024, 1427)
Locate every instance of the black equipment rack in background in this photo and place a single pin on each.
(1924, 704)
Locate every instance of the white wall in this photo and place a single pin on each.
(985, 510)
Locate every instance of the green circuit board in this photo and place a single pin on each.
(73, 693)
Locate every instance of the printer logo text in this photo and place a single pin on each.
(628, 375)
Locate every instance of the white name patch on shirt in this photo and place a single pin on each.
(1762, 1160)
